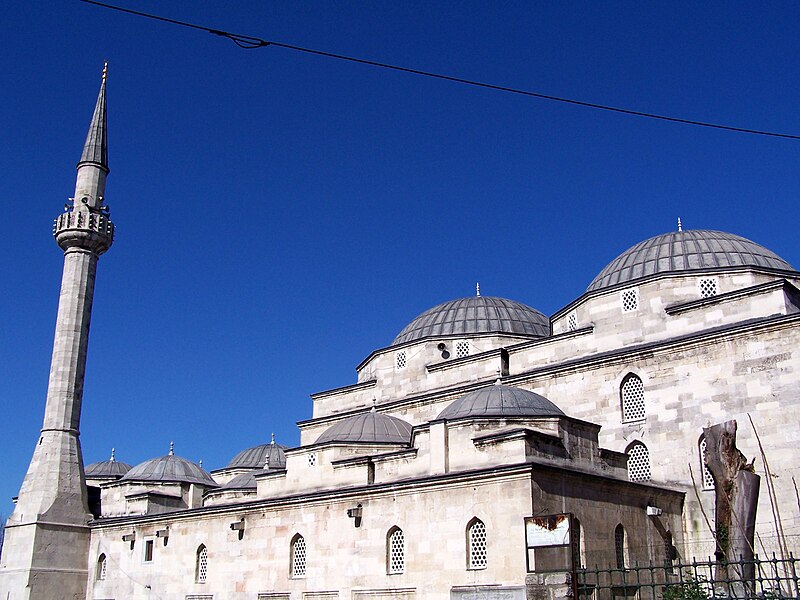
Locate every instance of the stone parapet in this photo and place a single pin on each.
(85, 229)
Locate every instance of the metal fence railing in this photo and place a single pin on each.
(762, 578)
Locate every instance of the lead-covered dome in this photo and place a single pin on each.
(500, 401)
(476, 314)
(243, 481)
(265, 456)
(368, 428)
(107, 469)
(681, 251)
(169, 469)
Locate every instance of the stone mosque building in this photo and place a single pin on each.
(416, 480)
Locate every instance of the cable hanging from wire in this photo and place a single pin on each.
(250, 42)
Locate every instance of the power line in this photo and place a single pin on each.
(249, 42)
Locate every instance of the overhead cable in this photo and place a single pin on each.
(250, 42)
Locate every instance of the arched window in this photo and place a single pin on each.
(477, 557)
(620, 544)
(297, 557)
(201, 568)
(578, 543)
(102, 566)
(638, 462)
(395, 551)
(708, 479)
(631, 394)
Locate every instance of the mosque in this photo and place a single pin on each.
(421, 478)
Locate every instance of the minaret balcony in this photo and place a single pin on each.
(89, 230)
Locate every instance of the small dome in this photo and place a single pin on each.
(681, 251)
(170, 469)
(107, 469)
(368, 428)
(269, 456)
(476, 314)
(243, 481)
(500, 401)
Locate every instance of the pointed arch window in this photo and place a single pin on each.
(201, 564)
(477, 555)
(638, 462)
(102, 567)
(297, 557)
(395, 551)
(578, 543)
(708, 479)
(631, 394)
(620, 546)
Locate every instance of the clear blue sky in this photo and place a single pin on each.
(281, 215)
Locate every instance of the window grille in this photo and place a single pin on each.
(312, 459)
(396, 552)
(462, 349)
(572, 322)
(708, 479)
(619, 546)
(708, 287)
(400, 360)
(299, 557)
(630, 300)
(632, 396)
(576, 534)
(102, 566)
(201, 572)
(638, 462)
(476, 536)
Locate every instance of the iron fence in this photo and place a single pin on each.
(764, 579)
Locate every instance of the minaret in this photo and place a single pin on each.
(45, 554)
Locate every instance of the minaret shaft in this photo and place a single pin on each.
(45, 553)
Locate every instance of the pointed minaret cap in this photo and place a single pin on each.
(95, 150)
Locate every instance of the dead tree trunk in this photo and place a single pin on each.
(736, 486)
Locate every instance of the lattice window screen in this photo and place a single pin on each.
(477, 545)
(630, 300)
(639, 463)
(299, 557)
(202, 565)
(708, 480)
(632, 396)
(397, 552)
(400, 360)
(312, 460)
(572, 322)
(708, 287)
(462, 349)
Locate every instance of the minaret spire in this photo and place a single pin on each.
(46, 546)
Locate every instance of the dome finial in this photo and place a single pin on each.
(680, 226)
(200, 464)
(374, 402)
(272, 441)
(113, 451)
(172, 448)
(478, 289)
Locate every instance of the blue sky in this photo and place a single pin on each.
(281, 215)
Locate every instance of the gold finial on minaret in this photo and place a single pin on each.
(105, 71)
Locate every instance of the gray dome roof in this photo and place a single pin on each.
(678, 251)
(370, 428)
(243, 481)
(170, 468)
(500, 401)
(476, 314)
(107, 469)
(270, 456)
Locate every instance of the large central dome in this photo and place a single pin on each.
(681, 251)
(476, 314)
